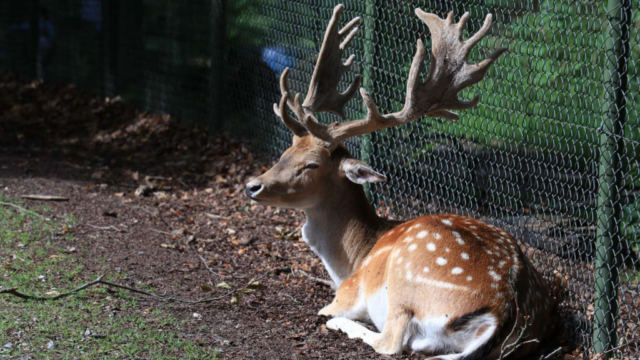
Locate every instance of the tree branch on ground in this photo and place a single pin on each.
(44, 197)
(14, 291)
(21, 209)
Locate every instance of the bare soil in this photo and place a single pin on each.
(58, 140)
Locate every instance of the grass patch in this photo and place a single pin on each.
(38, 256)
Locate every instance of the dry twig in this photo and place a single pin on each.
(21, 209)
(204, 261)
(161, 232)
(311, 277)
(628, 343)
(14, 291)
(110, 227)
(508, 349)
(45, 197)
(545, 357)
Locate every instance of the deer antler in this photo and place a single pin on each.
(449, 73)
(323, 95)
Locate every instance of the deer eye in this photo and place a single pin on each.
(311, 166)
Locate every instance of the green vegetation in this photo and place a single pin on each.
(95, 324)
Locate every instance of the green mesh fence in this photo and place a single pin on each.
(551, 153)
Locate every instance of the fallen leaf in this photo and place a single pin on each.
(223, 285)
(97, 175)
(52, 293)
(206, 288)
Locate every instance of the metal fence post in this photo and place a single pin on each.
(367, 81)
(609, 178)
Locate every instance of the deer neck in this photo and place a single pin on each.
(342, 230)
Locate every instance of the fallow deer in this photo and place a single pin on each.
(447, 285)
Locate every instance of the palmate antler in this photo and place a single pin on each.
(449, 73)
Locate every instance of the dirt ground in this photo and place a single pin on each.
(162, 202)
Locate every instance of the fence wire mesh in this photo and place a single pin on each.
(551, 153)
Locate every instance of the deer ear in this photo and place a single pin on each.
(359, 172)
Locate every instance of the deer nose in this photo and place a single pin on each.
(253, 189)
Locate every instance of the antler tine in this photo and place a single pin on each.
(449, 73)
(281, 110)
(323, 92)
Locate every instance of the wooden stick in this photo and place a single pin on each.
(45, 197)
(311, 277)
(14, 291)
(21, 209)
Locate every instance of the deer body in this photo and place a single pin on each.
(447, 285)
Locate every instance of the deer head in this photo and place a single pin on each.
(317, 166)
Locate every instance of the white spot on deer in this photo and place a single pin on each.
(437, 236)
(426, 270)
(503, 233)
(465, 256)
(502, 263)
(407, 265)
(457, 270)
(412, 247)
(494, 276)
(446, 249)
(499, 294)
(441, 261)
(473, 227)
(441, 284)
(422, 234)
(455, 234)
(399, 261)
(490, 267)
(489, 252)
(409, 275)
(469, 278)
(408, 239)
(460, 241)
(494, 285)
(431, 247)
(447, 222)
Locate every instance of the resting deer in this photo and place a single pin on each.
(447, 285)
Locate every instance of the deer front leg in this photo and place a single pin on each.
(348, 301)
(389, 342)
(353, 330)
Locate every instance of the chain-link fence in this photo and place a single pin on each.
(551, 153)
